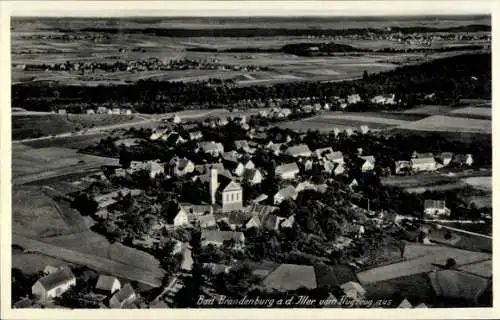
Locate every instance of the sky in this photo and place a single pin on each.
(243, 8)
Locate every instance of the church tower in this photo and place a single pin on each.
(213, 184)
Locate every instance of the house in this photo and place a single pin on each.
(353, 183)
(252, 176)
(123, 297)
(364, 129)
(205, 168)
(287, 171)
(368, 163)
(272, 222)
(158, 133)
(105, 200)
(181, 219)
(416, 154)
(217, 268)
(227, 192)
(301, 150)
(286, 193)
(197, 209)
(463, 160)
(115, 111)
(254, 222)
(455, 284)
(423, 164)
(243, 145)
(211, 147)
(109, 284)
(231, 156)
(339, 169)
(349, 132)
(127, 112)
(53, 285)
(61, 111)
(288, 277)
(436, 208)
(260, 210)
(90, 111)
(195, 135)
(335, 157)
(402, 167)
(179, 167)
(384, 99)
(102, 110)
(154, 168)
(444, 158)
(353, 98)
(173, 138)
(206, 221)
(218, 238)
(353, 290)
(305, 185)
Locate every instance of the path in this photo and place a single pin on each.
(118, 269)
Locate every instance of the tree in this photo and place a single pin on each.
(125, 158)
(84, 204)
(450, 263)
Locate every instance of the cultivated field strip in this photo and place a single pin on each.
(121, 270)
(441, 123)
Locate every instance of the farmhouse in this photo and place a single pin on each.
(286, 193)
(423, 164)
(287, 171)
(218, 238)
(123, 297)
(109, 284)
(436, 208)
(301, 150)
(53, 285)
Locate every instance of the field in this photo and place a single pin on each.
(442, 123)
(31, 165)
(33, 126)
(473, 112)
(481, 183)
(41, 216)
(31, 263)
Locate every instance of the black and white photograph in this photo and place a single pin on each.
(321, 159)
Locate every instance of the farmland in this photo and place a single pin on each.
(474, 112)
(38, 164)
(441, 123)
(41, 216)
(33, 126)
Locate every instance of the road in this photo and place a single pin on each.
(120, 270)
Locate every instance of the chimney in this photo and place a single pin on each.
(213, 184)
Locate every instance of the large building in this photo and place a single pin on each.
(226, 192)
(53, 285)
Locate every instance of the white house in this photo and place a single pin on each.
(436, 208)
(54, 284)
(287, 171)
(181, 219)
(195, 135)
(402, 166)
(364, 129)
(301, 150)
(109, 284)
(211, 147)
(368, 164)
(423, 164)
(252, 176)
(353, 98)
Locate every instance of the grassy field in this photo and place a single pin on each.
(441, 123)
(33, 126)
(31, 263)
(429, 110)
(31, 165)
(481, 183)
(36, 214)
(473, 112)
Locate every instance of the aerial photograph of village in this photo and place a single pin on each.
(251, 162)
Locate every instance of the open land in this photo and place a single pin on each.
(440, 123)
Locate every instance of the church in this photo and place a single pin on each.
(224, 192)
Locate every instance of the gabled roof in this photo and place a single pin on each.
(220, 236)
(209, 146)
(206, 219)
(124, 293)
(229, 186)
(105, 282)
(195, 134)
(424, 155)
(286, 168)
(417, 161)
(405, 304)
(298, 150)
(289, 277)
(205, 168)
(370, 159)
(250, 174)
(260, 210)
(57, 278)
(240, 144)
(288, 192)
(335, 156)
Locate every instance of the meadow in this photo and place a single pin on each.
(442, 123)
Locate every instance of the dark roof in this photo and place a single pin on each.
(455, 284)
(330, 276)
(57, 278)
(431, 204)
